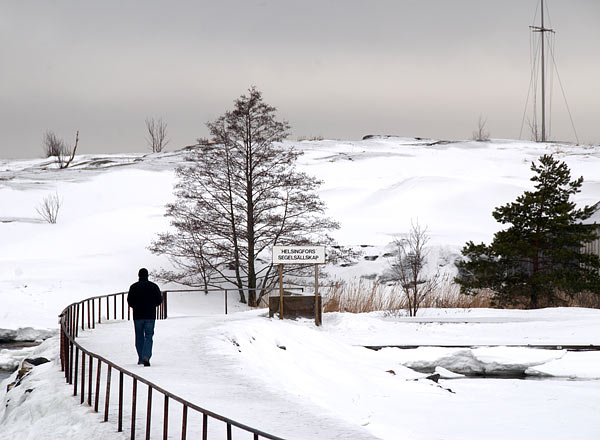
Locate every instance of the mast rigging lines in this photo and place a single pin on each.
(535, 47)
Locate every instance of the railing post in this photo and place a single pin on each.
(71, 357)
(184, 423)
(62, 346)
(115, 307)
(149, 412)
(226, 301)
(63, 349)
(82, 376)
(204, 426)
(166, 419)
(88, 314)
(68, 358)
(76, 370)
(229, 431)
(165, 302)
(133, 405)
(90, 373)
(76, 333)
(65, 352)
(107, 398)
(120, 418)
(94, 312)
(97, 397)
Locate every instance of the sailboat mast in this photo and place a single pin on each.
(542, 30)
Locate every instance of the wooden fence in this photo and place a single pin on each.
(92, 378)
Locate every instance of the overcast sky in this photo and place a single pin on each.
(336, 69)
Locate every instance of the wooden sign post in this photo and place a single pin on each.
(317, 322)
(280, 291)
(299, 255)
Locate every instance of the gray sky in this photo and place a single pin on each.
(333, 68)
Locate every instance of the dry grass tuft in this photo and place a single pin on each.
(369, 296)
(364, 296)
(448, 296)
(361, 297)
(583, 299)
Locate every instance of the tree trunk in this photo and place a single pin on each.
(250, 217)
(234, 232)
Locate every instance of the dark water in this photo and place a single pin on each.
(12, 346)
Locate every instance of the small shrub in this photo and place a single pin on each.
(52, 145)
(49, 208)
(310, 138)
(57, 148)
(481, 135)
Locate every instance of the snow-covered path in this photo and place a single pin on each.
(299, 382)
(186, 365)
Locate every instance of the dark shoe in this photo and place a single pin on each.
(146, 362)
(140, 363)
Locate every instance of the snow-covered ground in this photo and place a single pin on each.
(298, 381)
(113, 207)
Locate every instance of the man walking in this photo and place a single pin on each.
(144, 297)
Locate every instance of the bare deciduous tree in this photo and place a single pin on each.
(57, 148)
(64, 162)
(239, 196)
(49, 208)
(481, 135)
(157, 134)
(53, 146)
(408, 268)
(188, 251)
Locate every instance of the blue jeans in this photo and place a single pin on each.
(144, 330)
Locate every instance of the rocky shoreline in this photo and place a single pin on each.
(17, 345)
(24, 335)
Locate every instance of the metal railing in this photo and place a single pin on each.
(74, 357)
(236, 289)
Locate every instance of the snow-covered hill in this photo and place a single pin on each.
(113, 206)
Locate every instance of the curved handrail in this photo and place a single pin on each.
(72, 318)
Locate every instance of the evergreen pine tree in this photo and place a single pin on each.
(537, 260)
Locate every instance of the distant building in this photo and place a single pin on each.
(593, 247)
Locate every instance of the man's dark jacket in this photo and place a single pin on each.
(144, 296)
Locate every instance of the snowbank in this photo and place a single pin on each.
(42, 407)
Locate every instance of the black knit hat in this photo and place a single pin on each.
(143, 273)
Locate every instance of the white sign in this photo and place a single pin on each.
(299, 254)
